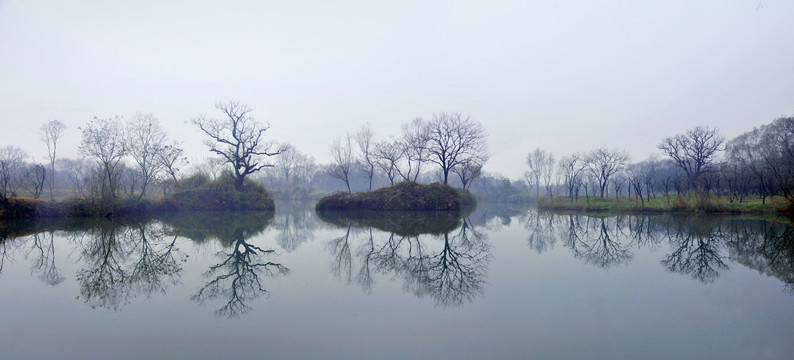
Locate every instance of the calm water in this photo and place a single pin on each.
(499, 283)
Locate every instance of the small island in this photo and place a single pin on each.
(403, 196)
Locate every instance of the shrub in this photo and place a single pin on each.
(403, 196)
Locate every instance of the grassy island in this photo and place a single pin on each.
(202, 195)
(402, 196)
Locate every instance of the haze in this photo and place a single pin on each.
(564, 77)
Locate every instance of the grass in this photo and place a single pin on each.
(402, 196)
(686, 203)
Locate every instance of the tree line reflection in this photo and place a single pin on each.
(698, 246)
(441, 256)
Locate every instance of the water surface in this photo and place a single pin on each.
(497, 283)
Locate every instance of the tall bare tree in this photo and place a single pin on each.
(238, 139)
(694, 151)
(50, 133)
(342, 153)
(454, 139)
(603, 163)
(366, 147)
(103, 140)
(11, 160)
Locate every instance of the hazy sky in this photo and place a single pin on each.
(565, 76)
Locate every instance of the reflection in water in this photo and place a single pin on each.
(437, 255)
(124, 261)
(237, 278)
(295, 224)
(449, 267)
(700, 246)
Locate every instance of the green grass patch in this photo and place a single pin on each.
(403, 196)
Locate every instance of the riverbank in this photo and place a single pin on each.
(218, 195)
(688, 203)
(400, 197)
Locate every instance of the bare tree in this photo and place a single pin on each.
(366, 151)
(541, 165)
(50, 133)
(694, 151)
(414, 142)
(454, 139)
(103, 140)
(388, 155)
(570, 168)
(238, 139)
(603, 163)
(469, 170)
(35, 177)
(11, 160)
(171, 158)
(342, 153)
(145, 141)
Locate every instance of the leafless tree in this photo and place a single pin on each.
(468, 170)
(388, 155)
(454, 139)
(146, 140)
(343, 160)
(35, 177)
(541, 165)
(414, 143)
(171, 158)
(694, 151)
(11, 160)
(366, 146)
(103, 140)
(602, 163)
(287, 162)
(50, 133)
(238, 139)
(570, 168)
(778, 155)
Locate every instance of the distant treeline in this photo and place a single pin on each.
(136, 159)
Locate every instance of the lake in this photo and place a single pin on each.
(499, 283)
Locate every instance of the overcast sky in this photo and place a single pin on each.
(565, 76)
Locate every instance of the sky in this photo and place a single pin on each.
(564, 76)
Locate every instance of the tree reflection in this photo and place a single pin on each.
(596, 240)
(123, 261)
(449, 267)
(295, 224)
(44, 249)
(238, 278)
(697, 249)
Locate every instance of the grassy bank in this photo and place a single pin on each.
(687, 203)
(403, 196)
(218, 195)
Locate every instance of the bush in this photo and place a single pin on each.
(220, 195)
(403, 196)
